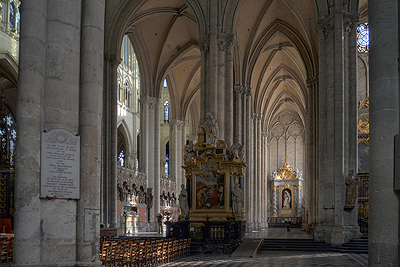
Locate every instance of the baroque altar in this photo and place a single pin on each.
(211, 202)
(287, 192)
(214, 176)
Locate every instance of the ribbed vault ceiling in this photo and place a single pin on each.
(275, 53)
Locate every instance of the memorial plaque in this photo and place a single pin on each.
(60, 165)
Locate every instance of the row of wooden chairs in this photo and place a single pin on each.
(144, 252)
(6, 250)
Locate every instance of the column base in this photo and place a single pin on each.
(336, 235)
(250, 227)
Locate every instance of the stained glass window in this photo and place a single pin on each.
(121, 158)
(166, 111)
(167, 160)
(8, 135)
(363, 38)
(12, 16)
(18, 21)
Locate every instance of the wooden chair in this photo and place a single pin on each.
(124, 256)
(134, 254)
(141, 253)
(109, 259)
(187, 247)
(154, 245)
(170, 251)
(104, 246)
(11, 250)
(176, 249)
(164, 251)
(4, 250)
(181, 248)
(148, 253)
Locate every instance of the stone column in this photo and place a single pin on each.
(180, 152)
(204, 48)
(157, 167)
(62, 82)
(337, 123)
(144, 131)
(215, 44)
(109, 142)
(249, 157)
(173, 162)
(153, 154)
(90, 110)
(254, 178)
(113, 142)
(310, 182)
(258, 174)
(264, 176)
(31, 71)
(229, 90)
(176, 151)
(221, 90)
(384, 124)
(237, 93)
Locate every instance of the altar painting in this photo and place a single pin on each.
(210, 192)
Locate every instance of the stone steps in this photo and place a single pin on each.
(294, 245)
(353, 246)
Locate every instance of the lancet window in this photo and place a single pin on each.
(363, 38)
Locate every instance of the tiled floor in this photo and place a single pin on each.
(277, 258)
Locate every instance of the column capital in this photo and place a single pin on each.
(326, 26)
(177, 123)
(312, 80)
(350, 22)
(248, 91)
(256, 116)
(225, 41)
(204, 44)
(238, 89)
(114, 59)
(153, 102)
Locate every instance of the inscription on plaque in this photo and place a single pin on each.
(60, 164)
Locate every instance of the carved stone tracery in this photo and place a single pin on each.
(132, 185)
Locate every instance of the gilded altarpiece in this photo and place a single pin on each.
(214, 175)
(287, 192)
(211, 177)
(211, 203)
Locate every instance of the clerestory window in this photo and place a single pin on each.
(363, 38)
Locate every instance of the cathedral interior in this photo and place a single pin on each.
(116, 111)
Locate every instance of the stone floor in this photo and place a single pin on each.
(276, 259)
(273, 258)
